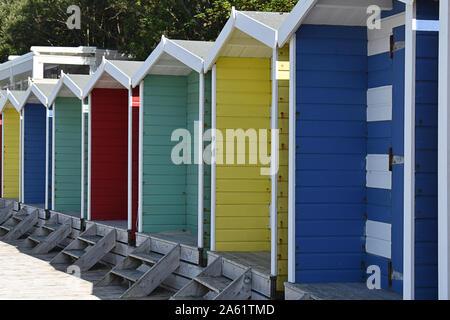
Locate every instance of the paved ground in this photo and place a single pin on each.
(25, 277)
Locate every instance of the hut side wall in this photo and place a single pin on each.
(192, 170)
(426, 252)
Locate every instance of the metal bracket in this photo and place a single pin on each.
(131, 238)
(202, 260)
(398, 160)
(394, 159)
(395, 275)
(82, 225)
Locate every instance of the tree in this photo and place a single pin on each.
(132, 27)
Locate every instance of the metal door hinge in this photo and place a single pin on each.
(396, 275)
(395, 46)
(395, 159)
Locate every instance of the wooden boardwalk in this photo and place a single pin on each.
(25, 277)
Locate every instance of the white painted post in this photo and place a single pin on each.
(21, 157)
(409, 166)
(53, 156)
(82, 158)
(130, 160)
(89, 200)
(201, 120)
(444, 154)
(141, 157)
(47, 153)
(291, 192)
(274, 165)
(213, 158)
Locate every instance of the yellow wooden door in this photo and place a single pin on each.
(11, 152)
(242, 193)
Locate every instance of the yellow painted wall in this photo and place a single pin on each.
(242, 193)
(283, 125)
(11, 150)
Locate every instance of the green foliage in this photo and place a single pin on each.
(133, 27)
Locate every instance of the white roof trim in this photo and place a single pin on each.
(294, 20)
(302, 8)
(246, 24)
(2, 102)
(110, 69)
(173, 49)
(10, 96)
(65, 80)
(407, 1)
(33, 88)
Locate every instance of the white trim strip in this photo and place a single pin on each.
(409, 166)
(213, 157)
(444, 155)
(141, 157)
(426, 25)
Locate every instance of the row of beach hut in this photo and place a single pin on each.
(101, 146)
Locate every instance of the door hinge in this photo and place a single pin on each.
(395, 46)
(394, 159)
(396, 275)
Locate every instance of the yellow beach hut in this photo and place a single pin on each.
(11, 149)
(249, 196)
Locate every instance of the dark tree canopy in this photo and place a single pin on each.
(132, 27)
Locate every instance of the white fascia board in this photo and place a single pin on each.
(94, 78)
(25, 99)
(76, 90)
(407, 1)
(211, 58)
(2, 102)
(117, 74)
(13, 101)
(39, 94)
(65, 81)
(294, 20)
(149, 62)
(181, 54)
(56, 90)
(256, 29)
(113, 71)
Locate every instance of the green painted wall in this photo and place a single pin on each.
(192, 170)
(67, 121)
(169, 190)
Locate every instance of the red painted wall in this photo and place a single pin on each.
(1, 144)
(109, 154)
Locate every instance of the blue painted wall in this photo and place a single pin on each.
(331, 150)
(34, 153)
(426, 271)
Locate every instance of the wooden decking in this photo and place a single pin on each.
(27, 278)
